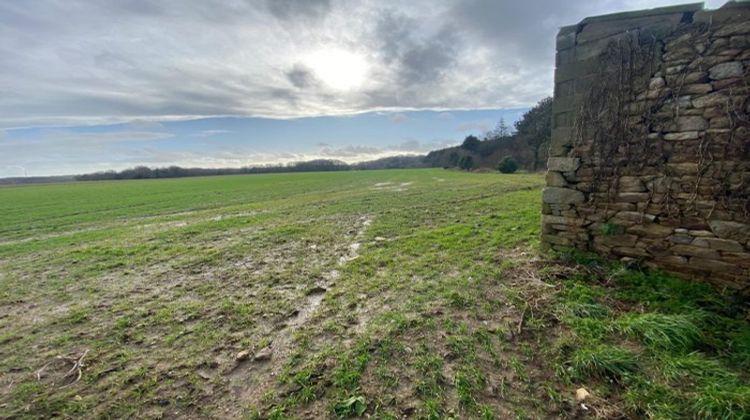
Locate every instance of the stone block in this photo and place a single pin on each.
(563, 164)
(625, 240)
(634, 252)
(631, 197)
(715, 99)
(694, 251)
(696, 89)
(566, 38)
(650, 230)
(555, 179)
(724, 244)
(556, 239)
(740, 28)
(735, 231)
(686, 135)
(726, 70)
(713, 264)
(631, 184)
(556, 195)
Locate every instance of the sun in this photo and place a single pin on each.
(337, 68)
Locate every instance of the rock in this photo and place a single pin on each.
(582, 394)
(563, 164)
(726, 70)
(716, 99)
(736, 231)
(733, 29)
(657, 83)
(651, 230)
(263, 355)
(555, 179)
(632, 197)
(711, 264)
(556, 195)
(739, 42)
(694, 251)
(687, 135)
(242, 356)
(691, 123)
(724, 244)
(631, 184)
(696, 89)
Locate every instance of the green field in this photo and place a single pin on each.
(416, 293)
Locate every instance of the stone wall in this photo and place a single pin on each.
(650, 151)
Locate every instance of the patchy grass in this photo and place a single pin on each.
(390, 294)
(652, 345)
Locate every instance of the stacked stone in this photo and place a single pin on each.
(687, 210)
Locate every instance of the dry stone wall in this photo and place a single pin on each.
(650, 151)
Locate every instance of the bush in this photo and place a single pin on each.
(507, 165)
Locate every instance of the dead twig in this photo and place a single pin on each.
(75, 372)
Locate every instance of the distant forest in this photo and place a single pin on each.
(318, 165)
(526, 143)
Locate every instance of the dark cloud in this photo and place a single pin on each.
(417, 60)
(83, 62)
(301, 77)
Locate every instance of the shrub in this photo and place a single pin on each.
(507, 165)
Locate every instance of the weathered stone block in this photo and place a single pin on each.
(563, 164)
(556, 195)
(555, 179)
(630, 252)
(716, 99)
(735, 231)
(631, 184)
(713, 264)
(650, 230)
(724, 244)
(696, 89)
(687, 135)
(630, 197)
(616, 240)
(726, 70)
(694, 251)
(740, 28)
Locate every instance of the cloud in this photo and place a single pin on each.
(301, 77)
(210, 133)
(83, 62)
(295, 9)
(140, 124)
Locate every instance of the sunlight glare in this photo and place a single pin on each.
(338, 68)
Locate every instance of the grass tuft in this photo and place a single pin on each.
(717, 402)
(669, 332)
(603, 361)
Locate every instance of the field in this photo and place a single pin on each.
(403, 293)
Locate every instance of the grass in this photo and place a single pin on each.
(390, 294)
(654, 345)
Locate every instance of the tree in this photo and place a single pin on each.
(501, 130)
(471, 143)
(507, 165)
(466, 163)
(453, 159)
(535, 128)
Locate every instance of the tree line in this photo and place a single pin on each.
(317, 165)
(525, 145)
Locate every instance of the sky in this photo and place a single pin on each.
(110, 84)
